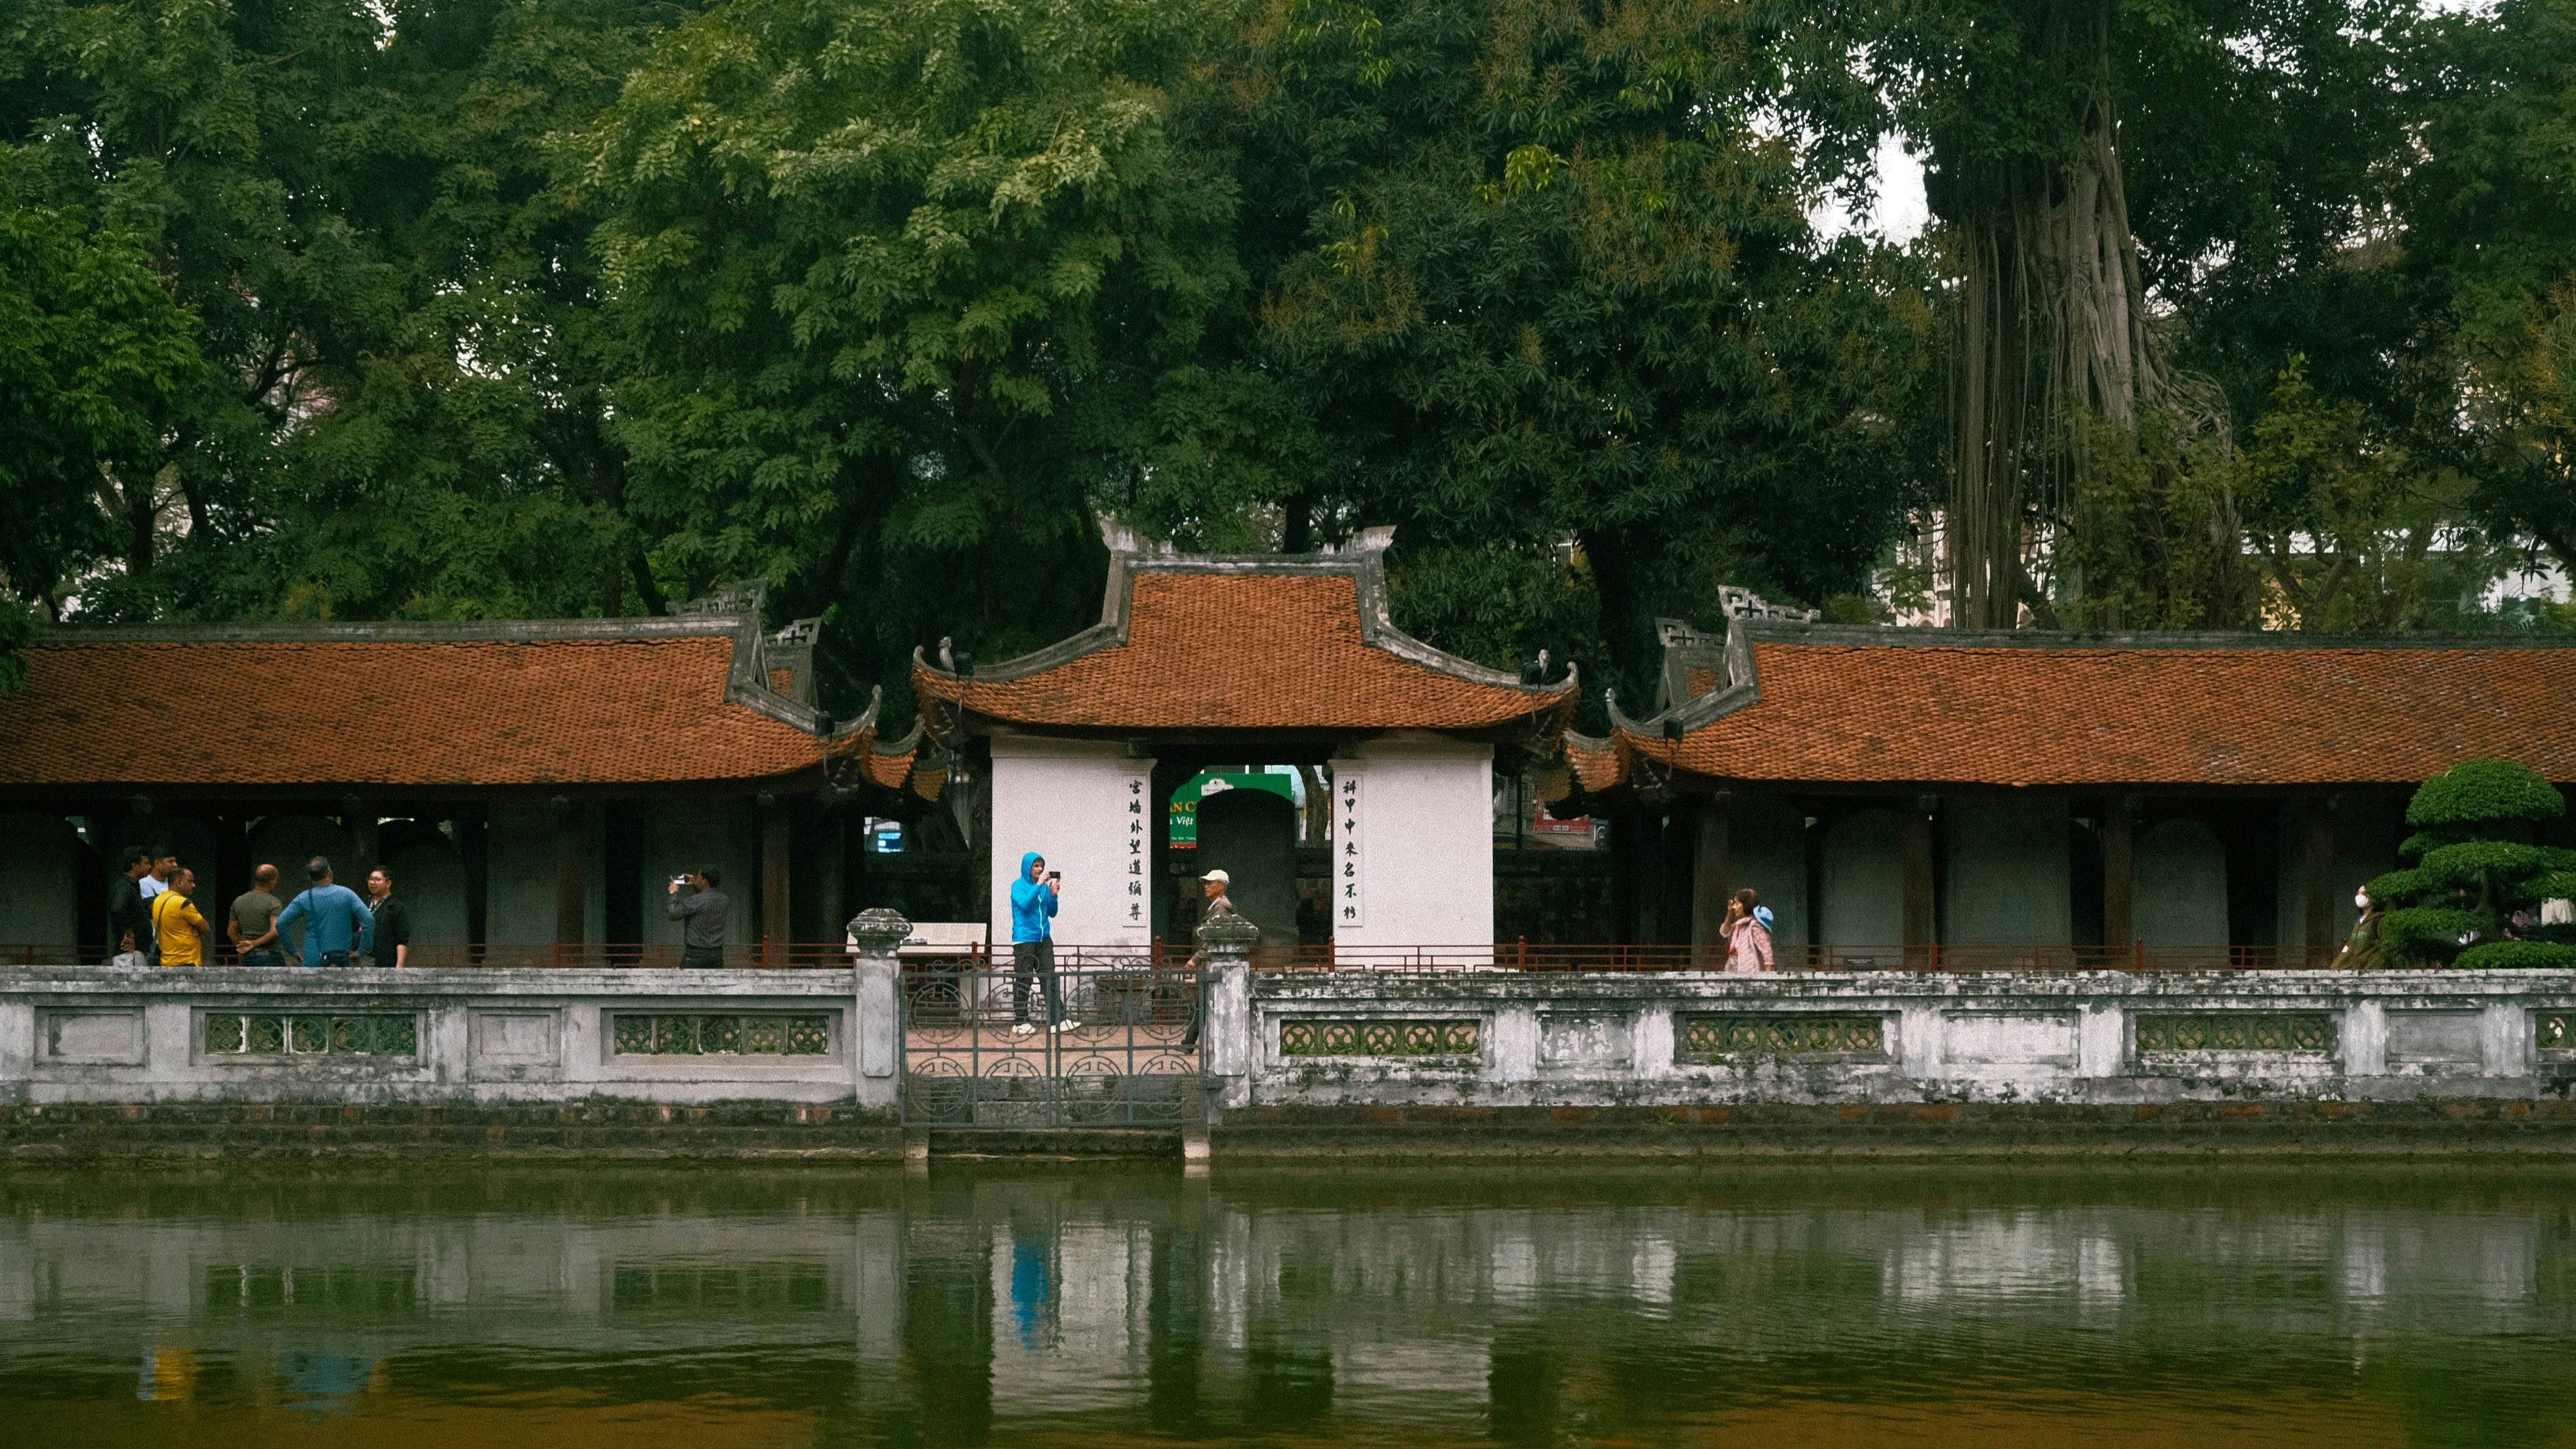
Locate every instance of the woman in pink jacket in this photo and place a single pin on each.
(1748, 941)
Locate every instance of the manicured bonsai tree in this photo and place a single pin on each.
(2472, 868)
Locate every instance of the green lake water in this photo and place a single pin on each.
(1026, 1307)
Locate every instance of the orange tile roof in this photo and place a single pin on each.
(1289, 646)
(2251, 712)
(1596, 769)
(894, 772)
(233, 708)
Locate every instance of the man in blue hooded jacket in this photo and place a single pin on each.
(1033, 899)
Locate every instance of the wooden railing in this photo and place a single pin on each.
(1327, 956)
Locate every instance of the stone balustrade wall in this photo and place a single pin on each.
(487, 1037)
(1503, 1039)
(1323, 1040)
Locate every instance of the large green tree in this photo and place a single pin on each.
(468, 463)
(2150, 211)
(2490, 244)
(909, 290)
(98, 362)
(199, 130)
(1547, 276)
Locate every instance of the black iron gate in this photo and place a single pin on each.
(979, 1049)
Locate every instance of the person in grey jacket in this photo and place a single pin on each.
(703, 909)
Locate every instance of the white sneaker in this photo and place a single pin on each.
(1024, 1029)
(1066, 1026)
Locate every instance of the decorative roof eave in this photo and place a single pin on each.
(951, 719)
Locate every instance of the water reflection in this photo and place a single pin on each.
(1107, 1307)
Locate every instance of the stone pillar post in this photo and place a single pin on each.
(876, 1018)
(2362, 1041)
(1227, 1036)
(1920, 1050)
(2504, 1040)
(2101, 1039)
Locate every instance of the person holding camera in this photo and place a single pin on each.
(1033, 902)
(702, 910)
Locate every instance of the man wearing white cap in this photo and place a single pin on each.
(1213, 884)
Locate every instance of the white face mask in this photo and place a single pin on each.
(2361, 899)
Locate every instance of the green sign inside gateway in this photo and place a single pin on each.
(1185, 800)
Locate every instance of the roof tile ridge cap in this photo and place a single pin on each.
(618, 629)
(1822, 635)
(859, 735)
(1109, 633)
(1378, 631)
(907, 743)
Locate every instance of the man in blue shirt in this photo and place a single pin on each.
(336, 922)
(1033, 898)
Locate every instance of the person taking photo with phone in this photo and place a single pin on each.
(702, 912)
(1033, 902)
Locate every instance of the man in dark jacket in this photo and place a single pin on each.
(392, 944)
(129, 920)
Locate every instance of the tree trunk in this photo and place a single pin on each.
(2051, 325)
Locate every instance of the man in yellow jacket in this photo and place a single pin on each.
(181, 930)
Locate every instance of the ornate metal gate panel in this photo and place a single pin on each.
(1127, 1056)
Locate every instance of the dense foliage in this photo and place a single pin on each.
(2475, 883)
(459, 308)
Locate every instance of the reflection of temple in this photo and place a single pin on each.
(973, 1311)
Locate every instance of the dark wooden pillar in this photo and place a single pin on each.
(1712, 880)
(777, 862)
(474, 852)
(829, 911)
(1675, 876)
(2317, 877)
(1163, 894)
(360, 818)
(1628, 864)
(2119, 874)
(1914, 852)
(572, 882)
(232, 867)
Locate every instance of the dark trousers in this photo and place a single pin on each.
(1198, 1005)
(702, 958)
(334, 959)
(1033, 962)
(264, 956)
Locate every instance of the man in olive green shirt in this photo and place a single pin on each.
(254, 918)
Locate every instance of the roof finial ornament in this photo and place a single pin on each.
(947, 654)
(1118, 536)
(1738, 603)
(1535, 672)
